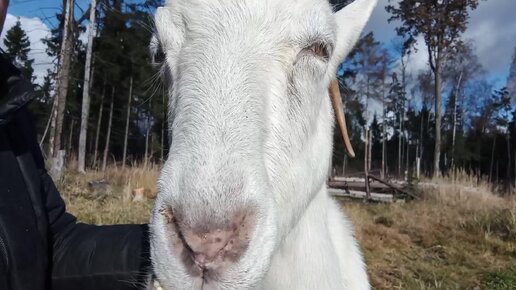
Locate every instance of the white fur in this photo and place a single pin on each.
(251, 125)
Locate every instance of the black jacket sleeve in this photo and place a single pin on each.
(93, 257)
(81, 256)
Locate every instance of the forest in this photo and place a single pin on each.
(104, 103)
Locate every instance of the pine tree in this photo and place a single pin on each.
(17, 46)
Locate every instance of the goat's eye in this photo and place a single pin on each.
(319, 49)
(159, 55)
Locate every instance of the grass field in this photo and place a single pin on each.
(456, 237)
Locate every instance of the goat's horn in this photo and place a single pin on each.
(336, 101)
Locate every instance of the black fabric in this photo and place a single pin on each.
(43, 247)
(15, 92)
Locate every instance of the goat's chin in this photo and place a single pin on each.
(246, 273)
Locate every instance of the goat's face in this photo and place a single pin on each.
(250, 128)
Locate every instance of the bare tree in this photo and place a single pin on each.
(511, 88)
(108, 135)
(147, 133)
(86, 90)
(99, 122)
(70, 136)
(460, 68)
(382, 73)
(440, 23)
(127, 120)
(63, 76)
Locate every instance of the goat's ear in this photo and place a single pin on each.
(351, 20)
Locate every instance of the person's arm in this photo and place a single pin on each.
(83, 256)
(93, 257)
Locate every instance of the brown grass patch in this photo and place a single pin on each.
(116, 207)
(456, 237)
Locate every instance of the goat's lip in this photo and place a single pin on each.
(201, 282)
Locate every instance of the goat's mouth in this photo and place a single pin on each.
(207, 256)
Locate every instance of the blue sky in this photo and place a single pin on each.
(492, 28)
(43, 9)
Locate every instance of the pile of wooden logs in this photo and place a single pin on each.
(370, 188)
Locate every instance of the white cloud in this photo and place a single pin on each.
(36, 30)
(493, 29)
(418, 60)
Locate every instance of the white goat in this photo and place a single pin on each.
(242, 198)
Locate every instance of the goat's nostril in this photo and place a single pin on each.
(210, 245)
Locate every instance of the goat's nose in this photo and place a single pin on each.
(213, 245)
(210, 247)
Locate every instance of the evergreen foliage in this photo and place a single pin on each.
(17, 46)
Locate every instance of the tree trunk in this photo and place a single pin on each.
(48, 126)
(437, 146)
(92, 73)
(63, 72)
(99, 122)
(366, 151)
(86, 91)
(384, 131)
(53, 119)
(147, 135)
(108, 135)
(454, 130)
(420, 155)
(366, 163)
(418, 167)
(492, 159)
(407, 168)
(124, 156)
(70, 136)
(404, 103)
(508, 172)
(370, 151)
(399, 147)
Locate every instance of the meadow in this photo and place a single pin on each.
(457, 236)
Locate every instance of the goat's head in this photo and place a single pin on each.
(250, 129)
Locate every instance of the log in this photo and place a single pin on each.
(375, 196)
(99, 188)
(393, 187)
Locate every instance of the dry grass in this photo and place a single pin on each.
(457, 237)
(452, 239)
(115, 207)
